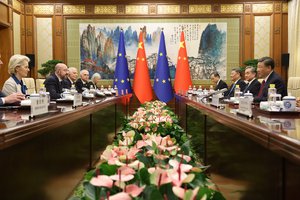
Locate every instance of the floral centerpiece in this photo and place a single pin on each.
(150, 159)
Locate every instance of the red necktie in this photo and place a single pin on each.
(261, 88)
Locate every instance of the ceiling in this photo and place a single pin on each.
(140, 1)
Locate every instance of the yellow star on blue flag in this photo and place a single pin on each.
(163, 89)
(121, 71)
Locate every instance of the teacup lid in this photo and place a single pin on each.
(248, 94)
(289, 98)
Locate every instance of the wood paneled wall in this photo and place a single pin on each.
(208, 9)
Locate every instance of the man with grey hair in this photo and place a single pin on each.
(253, 84)
(95, 79)
(265, 70)
(235, 76)
(219, 84)
(54, 82)
(71, 77)
(83, 83)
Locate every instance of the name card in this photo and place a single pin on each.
(39, 106)
(215, 101)
(245, 106)
(77, 100)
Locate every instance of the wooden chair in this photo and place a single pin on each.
(39, 83)
(30, 84)
(294, 86)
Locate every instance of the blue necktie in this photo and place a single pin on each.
(232, 88)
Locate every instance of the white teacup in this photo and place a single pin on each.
(289, 103)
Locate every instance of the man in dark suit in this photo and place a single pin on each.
(253, 84)
(71, 78)
(265, 70)
(10, 99)
(54, 82)
(83, 82)
(219, 84)
(235, 76)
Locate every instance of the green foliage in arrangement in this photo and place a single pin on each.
(250, 62)
(48, 67)
(151, 158)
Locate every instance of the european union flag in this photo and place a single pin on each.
(122, 80)
(162, 81)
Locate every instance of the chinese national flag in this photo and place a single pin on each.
(141, 84)
(183, 76)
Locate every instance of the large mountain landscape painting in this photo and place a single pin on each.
(206, 46)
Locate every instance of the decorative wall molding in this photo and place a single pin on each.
(137, 9)
(73, 9)
(105, 9)
(247, 30)
(121, 9)
(4, 1)
(277, 7)
(262, 8)
(232, 8)
(43, 9)
(58, 32)
(285, 7)
(58, 9)
(200, 9)
(152, 9)
(28, 9)
(168, 9)
(89, 9)
(216, 8)
(185, 9)
(23, 31)
(17, 5)
(28, 32)
(277, 30)
(247, 8)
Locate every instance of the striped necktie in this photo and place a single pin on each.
(261, 88)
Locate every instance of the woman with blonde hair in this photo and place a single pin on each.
(18, 68)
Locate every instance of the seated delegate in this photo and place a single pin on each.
(18, 69)
(83, 82)
(12, 98)
(54, 83)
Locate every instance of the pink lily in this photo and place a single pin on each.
(180, 192)
(134, 190)
(102, 181)
(121, 195)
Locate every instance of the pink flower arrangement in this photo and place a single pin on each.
(140, 163)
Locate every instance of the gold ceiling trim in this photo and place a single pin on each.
(17, 5)
(137, 9)
(168, 9)
(28, 9)
(105, 9)
(285, 7)
(232, 8)
(43, 9)
(4, 1)
(73, 9)
(200, 9)
(262, 8)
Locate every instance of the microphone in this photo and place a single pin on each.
(216, 92)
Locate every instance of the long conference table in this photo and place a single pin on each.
(46, 157)
(257, 158)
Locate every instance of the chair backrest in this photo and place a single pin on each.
(294, 86)
(30, 84)
(39, 83)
